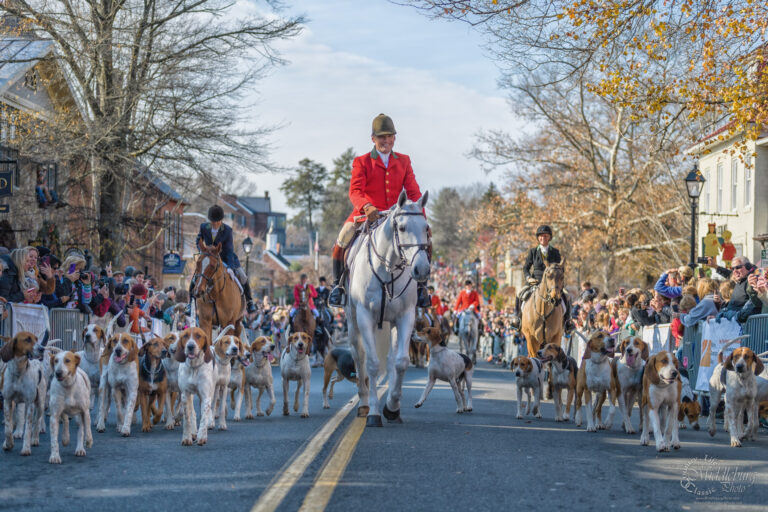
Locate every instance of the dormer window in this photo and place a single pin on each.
(30, 80)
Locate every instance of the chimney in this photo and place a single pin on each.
(266, 194)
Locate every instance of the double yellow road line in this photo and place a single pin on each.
(322, 489)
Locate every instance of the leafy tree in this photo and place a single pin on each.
(305, 191)
(159, 86)
(336, 204)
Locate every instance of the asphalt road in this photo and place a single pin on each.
(437, 460)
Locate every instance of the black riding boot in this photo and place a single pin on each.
(338, 296)
(515, 320)
(188, 309)
(249, 306)
(423, 301)
(568, 325)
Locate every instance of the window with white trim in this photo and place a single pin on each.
(748, 181)
(719, 187)
(734, 183)
(707, 186)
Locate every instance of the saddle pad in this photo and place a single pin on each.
(235, 279)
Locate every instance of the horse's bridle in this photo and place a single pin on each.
(547, 299)
(403, 261)
(209, 280)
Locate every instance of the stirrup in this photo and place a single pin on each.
(337, 298)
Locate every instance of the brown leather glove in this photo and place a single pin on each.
(371, 212)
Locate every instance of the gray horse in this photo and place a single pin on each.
(385, 266)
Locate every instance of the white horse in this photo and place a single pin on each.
(386, 263)
(468, 327)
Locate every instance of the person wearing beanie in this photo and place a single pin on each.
(377, 179)
(215, 232)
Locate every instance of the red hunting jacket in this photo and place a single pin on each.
(467, 299)
(311, 294)
(373, 183)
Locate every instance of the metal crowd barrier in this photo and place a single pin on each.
(68, 326)
(691, 355)
(6, 326)
(757, 328)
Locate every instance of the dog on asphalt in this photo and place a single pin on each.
(449, 366)
(338, 360)
(94, 340)
(259, 375)
(173, 406)
(294, 366)
(237, 383)
(122, 379)
(737, 376)
(689, 406)
(594, 377)
(529, 377)
(70, 397)
(661, 398)
(627, 378)
(153, 382)
(23, 383)
(195, 378)
(562, 377)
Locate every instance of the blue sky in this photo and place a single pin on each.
(355, 59)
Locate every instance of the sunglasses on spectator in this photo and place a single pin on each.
(737, 267)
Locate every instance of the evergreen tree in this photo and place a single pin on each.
(305, 190)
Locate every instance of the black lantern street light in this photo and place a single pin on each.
(694, 182)
(247, 248)
(477, 263)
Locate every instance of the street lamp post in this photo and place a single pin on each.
(477, 264)
(694, 182)
(247, 248)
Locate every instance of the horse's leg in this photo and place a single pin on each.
(366, 326)
(358, 355)
(403, 332)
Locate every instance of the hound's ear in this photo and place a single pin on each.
(6, 353)
(424, 199)
(143, 350)
(650, 370)
(587, 352)
(646, 353)
(623, 345)
(561, 357)
(759, 366)
(402, 199)
(180, 355)
(53, 360)
(728, 363)
(132, 354)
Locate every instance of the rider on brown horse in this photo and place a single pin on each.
(533, 269)
(216, 232)
(310, 292)
(378, 178)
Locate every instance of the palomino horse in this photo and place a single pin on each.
(543, 311)
(385, 266)
(303, 319)
(468, 327)
(218, 297)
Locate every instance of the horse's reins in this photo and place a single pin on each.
(552, 301)
(388, 287)
(206, 295)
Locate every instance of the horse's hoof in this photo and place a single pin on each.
(362, 411)
(391, 415)
(374, 420)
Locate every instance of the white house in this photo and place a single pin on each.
(735, 191)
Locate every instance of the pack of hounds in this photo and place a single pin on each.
(164, 375)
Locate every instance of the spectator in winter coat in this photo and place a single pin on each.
(740, 306)
(687, 303)
(707, 307)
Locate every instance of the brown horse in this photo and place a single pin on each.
(304, 320)
(218, 297)
(419, 350)
(543, 311)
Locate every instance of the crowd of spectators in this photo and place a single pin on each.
(34, 275)
(681, 297)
